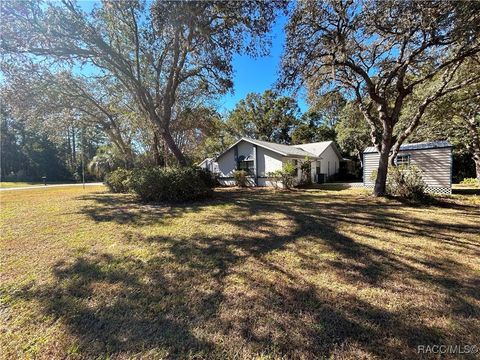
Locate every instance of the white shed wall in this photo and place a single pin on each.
(436, 165)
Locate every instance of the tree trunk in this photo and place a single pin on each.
(360, 157)
(165, 153)
(173, 147)
(74, 149)
(477, 166)
(156, 154)
(162, 130)
(115, 135)
(381, 180)
(69, 149)
(129, 163)
(474, 131)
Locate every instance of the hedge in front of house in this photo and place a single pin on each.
(118, 180)
(170, 184)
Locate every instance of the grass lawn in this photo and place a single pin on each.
(11, 184)
(465, 189)
(15, 184)
(250, 273)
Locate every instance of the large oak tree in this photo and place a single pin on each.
(381, 53)
(156, 52)
(457, 115)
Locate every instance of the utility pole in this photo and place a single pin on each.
(83, 151)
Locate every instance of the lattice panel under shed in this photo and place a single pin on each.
(443, 190)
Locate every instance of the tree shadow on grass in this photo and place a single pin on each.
(119, 305)
(127, 209)
(232, 294)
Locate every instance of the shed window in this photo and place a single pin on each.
(403, 160)
(248, 166)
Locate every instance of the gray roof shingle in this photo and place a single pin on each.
(286, 150)
(415, 146)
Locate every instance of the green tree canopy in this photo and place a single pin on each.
(159, 53)
(265, 117)
(379, 53)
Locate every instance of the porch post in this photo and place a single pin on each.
(313, 170)
(255, 164)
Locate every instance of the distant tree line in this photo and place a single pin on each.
(29, 153)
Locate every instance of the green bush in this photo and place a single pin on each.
(240, 177)
(306, 170)
(118, 180)
(208, 177)
(276, 177)
(170, 184)
(470, 181)
(406, 182)
(284, 177)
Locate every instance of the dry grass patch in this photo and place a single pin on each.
(249, 273)
(12, 184)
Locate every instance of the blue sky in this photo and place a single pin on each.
(250, 74)
(260, 74)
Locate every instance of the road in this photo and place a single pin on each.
(48, 186)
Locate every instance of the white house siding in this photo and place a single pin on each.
(268, 161)
(245, 149)
(330, 162)
(267, 182)
(436, 165)
(210, 165)
(227, 164)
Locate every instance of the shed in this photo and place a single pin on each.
(433, 158)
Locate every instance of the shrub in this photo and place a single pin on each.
(240, 177)
(118, 180)
(306, 169)
(276, 177)
(406, 182)
(208, 177)
(285, 176)
(170, 184)
(470, 181)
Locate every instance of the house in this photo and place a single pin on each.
(210, 165)
(433, 158)
(259, 158)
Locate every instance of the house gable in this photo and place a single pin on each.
(319, 148)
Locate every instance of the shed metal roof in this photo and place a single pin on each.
(415, 146)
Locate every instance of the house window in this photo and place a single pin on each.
(248, 166)
(402, 160)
